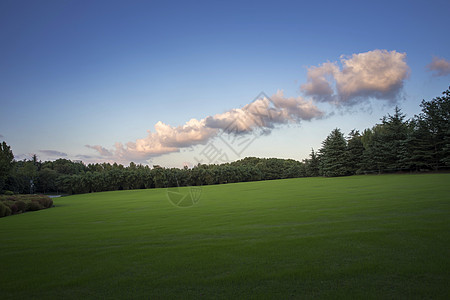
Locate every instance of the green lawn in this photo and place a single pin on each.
(374, 237)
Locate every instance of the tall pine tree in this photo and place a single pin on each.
(355, 150)
(333, 155)
(435, 122)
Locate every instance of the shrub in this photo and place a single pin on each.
(33, 205)
(22, 203)
(45, 201)
(8, 197)
(9, 203)
(4, 210)
(8, 193)
(8, 211)
(14, 209)
(21, 206)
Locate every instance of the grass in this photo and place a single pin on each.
(352, 237)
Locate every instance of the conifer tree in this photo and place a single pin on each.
(333, 155)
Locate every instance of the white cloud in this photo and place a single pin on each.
(265, 113)
(318, 83)
(262, 114)
(439, 66)
(377, 74)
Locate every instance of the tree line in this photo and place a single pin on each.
(397, 144)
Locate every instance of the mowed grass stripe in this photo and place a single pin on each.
(362, 236)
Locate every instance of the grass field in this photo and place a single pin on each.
(352, 237)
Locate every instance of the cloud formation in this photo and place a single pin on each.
(377, 74)
(262, 115)
(53, 153)
(265, 113)
(439, 66)
(82, 156)
(103, 151)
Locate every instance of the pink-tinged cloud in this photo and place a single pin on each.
(439, 66)
(102, 151)
(377, 74)
(262, 114)
(53, 153)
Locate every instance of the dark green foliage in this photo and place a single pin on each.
(21, 206)
(12, 205)
(334, 155)
(22, 203)
(312, 165)
(47, 180)
(6, 163)
(384, 144)
(14, 209)
(416, 150)
(394, 145)
(435, 126)
(4, 210)
(33, 206)
(394, 134)
(44, 201)
(355, 149)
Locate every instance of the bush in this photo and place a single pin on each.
(8, 197)
(22, 203)
(4, 210)
(9, 203)
(21, 206)
(33, 205)
(45, 201)
(8, 211)
(8, 193)
(14, 209)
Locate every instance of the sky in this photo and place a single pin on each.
(181, 83)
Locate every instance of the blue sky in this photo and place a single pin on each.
(77, 73)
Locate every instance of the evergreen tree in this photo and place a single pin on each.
(396, 131)
(312, 165)
(6, 163)
(435, 121)
(374, 156)
(333, 155)
(416, 150)
(355, 151)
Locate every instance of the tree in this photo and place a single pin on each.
(355, 149)
(6, 163)
(395, 134)
(416, 149)
(375, 149)
(46, 180)
(435, 121)
(384, 144)
(333, 155)
(312, 165)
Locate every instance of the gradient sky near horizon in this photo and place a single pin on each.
(157, 82)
